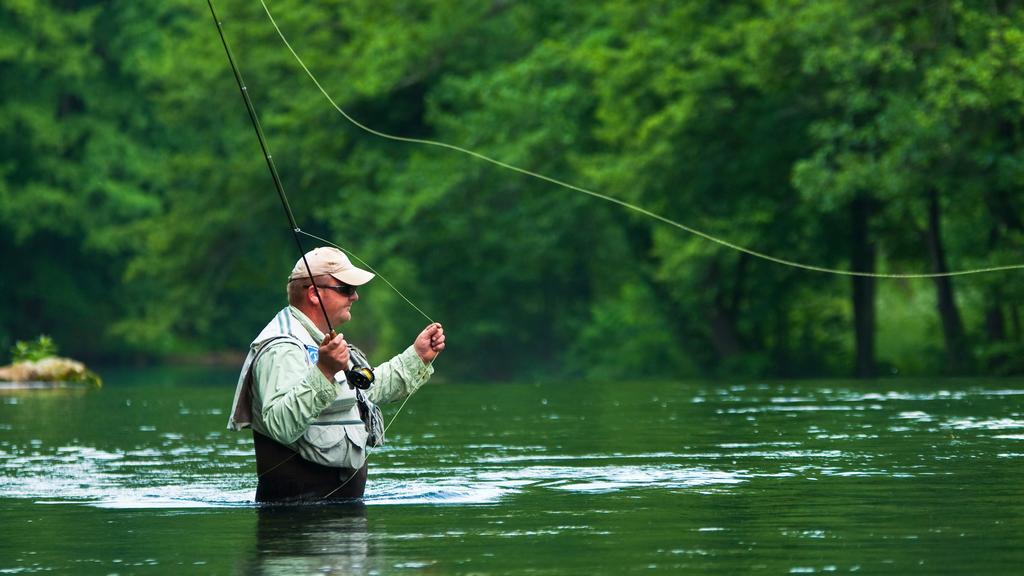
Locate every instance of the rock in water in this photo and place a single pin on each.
(53, 369)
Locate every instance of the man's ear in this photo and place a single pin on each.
(311, 293)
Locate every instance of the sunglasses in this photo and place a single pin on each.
(344, 289)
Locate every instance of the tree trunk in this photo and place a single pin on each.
(958, 356)
(995, 325)
(721, 316)
(780, 354)
(723, 333)
(862, 257)
(995, 331)
(995, 322)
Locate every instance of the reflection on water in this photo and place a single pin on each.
(873, 476)
(328, 539)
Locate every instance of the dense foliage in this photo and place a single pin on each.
(33, 350)
(137, 218)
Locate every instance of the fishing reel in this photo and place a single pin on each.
(360, 378)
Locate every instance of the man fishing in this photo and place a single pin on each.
(310, 397)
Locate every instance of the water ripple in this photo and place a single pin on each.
(983, 423)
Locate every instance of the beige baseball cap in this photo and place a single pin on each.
(331, 261)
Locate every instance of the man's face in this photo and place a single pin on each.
(336, 300)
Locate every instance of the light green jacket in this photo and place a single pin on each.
(288, 392)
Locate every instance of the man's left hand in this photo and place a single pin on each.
(430, 342)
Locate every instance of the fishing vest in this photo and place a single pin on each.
(340, 434)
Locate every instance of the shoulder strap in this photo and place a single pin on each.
(284, 338)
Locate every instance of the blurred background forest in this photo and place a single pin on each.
(138, 222)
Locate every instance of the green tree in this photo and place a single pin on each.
(137, 216)
(80, 164)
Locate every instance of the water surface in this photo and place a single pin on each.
(881, 477)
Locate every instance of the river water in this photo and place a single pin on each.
(777, 477)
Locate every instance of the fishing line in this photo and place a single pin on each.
(622, 203)
(294, 226)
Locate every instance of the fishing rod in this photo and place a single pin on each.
(270, 162)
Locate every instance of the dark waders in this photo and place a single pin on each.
(285, 476)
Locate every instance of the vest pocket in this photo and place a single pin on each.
(324, 438)
(357, 435)
(336, 445)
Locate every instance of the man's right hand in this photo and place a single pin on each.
(333, 355)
